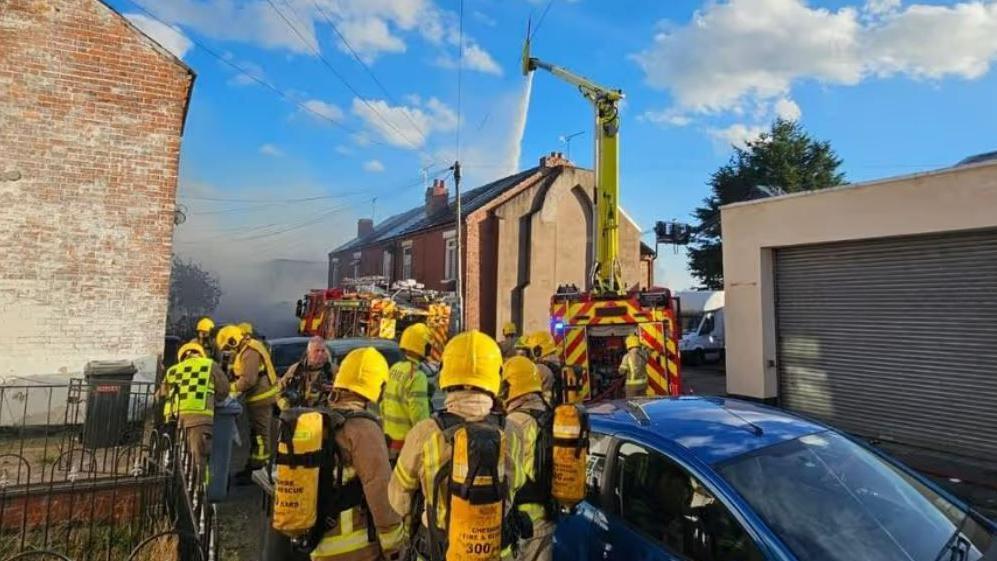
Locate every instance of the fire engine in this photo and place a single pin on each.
(591, 325)
(365, 307)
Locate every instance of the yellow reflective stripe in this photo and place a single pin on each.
(392, 539)
(264, 395)
(431, 466)
(405, 479)
(340, 544)
(534, 511)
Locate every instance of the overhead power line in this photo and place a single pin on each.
(318, 53)
(266, 84)
(364, 65)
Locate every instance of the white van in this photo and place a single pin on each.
(706, 342)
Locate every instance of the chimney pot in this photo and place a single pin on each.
(437, 197)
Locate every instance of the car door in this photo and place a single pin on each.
(659, 511)
(575, 536)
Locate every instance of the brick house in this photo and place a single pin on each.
(92, 112)
(524, 234)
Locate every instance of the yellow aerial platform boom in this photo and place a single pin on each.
(607, 276)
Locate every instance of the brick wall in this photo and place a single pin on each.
(91, 113)
(428, 259)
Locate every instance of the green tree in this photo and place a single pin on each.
(785, 157)
(194, 293)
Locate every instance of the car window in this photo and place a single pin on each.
(667, 504)
(829, 498)
(598, 446)
(286, 354)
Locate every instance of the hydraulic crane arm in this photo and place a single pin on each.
(607, 277)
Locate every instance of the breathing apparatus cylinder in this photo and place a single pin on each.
(477, 494)
(296, 487)
(571, 444)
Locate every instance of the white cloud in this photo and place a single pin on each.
(741, 53)
(252, 74)
(372, 27)
(737, 135)
(880, 7)
(786, 108)
(322, 110)
(249, 21)
(483, 18)
(370, 37)
(405, 126)
(271, 150)
(344, 150)
(373, 166)
(169, 37)
(475, 58)
(666, 117)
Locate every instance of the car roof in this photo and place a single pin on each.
(714, 429)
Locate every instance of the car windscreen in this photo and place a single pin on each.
(284, 355)
(828, 498)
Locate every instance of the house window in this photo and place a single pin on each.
(450, 255)
(406, 260)
(334, 272)
(386, 265)
(356, 265)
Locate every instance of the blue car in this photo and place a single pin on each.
(713, 479)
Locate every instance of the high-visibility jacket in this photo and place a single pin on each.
(425, 451)
(634, 367)
(372, 530)
(524, 450)
(190, 388)
(405, 402)
(305, 385)
(254, 373)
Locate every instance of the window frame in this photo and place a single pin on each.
(608, 504)
(408, 256)
(387, 265)
(449, 258)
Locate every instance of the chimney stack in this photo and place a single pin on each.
(364, 226)
(554, 159)
(437, 197)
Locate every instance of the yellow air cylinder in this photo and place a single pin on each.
(571, 444)
(295, 505)
(476, 494)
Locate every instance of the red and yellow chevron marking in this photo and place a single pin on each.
(576, 354)
(438, 322)
(652, 335)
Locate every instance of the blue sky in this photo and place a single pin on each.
(897, 87)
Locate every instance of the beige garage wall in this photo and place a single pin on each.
(952, 199)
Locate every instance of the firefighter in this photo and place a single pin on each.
(307, 383)
(192, 387)
(406, 397)
(470, 376)
(509, 338)
(529, 414)
(543, 351)
(372, 530)
(255, 379)
(203, 337)
(246, 328)
(634, 368)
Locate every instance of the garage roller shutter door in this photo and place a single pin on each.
(893, 338)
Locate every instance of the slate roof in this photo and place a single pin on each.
(415, 219)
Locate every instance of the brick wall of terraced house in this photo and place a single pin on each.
(91, 116)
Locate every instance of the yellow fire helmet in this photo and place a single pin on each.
(632, 342)
(205, 325)
(472, 359)
(416, 339)
(229, 337)
(509, 329)
(520, 377)
(246, 327)
(524, 343)
(363, 372)
(542, 344)
(190, 348)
